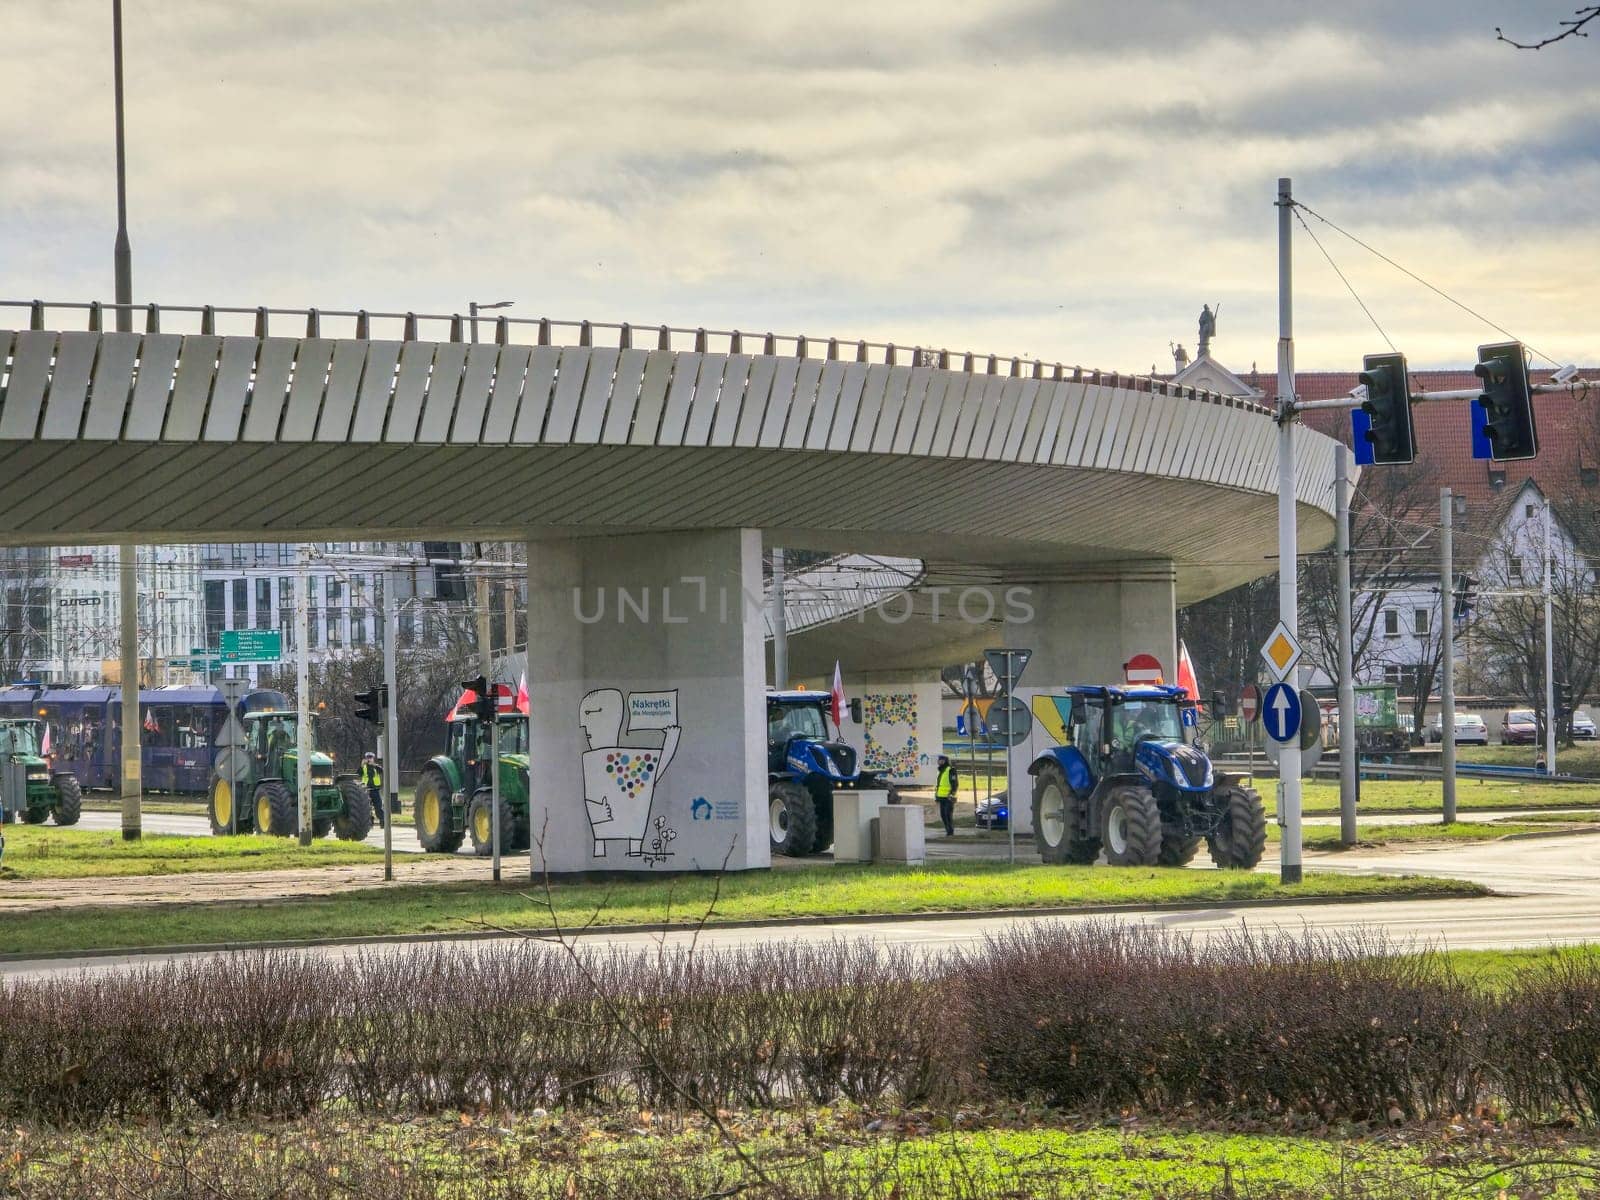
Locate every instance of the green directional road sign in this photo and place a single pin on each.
(252, 646)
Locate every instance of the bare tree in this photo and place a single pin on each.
(1225, 633)
(1510, 628)
(1573, 27)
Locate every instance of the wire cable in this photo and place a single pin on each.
(1438, 291)
(1348, 286)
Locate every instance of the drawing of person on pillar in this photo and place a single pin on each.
(619, 781)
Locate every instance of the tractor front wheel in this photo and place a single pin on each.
(1241, 838)
(480, 825)
(1177, 850)
(791, 817)
(69, 800)
(1130, 827)
(1056, 820)
(275, 809)
(431, 808)
(354, 821)
(220, 808)
(35, 816)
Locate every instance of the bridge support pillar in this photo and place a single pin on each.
(901, 730)
(1083, 629)
(648, 725)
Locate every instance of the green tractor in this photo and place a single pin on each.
(267, 794)
(453, 797)
(29, 790)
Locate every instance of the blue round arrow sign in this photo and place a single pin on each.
(1280, 713)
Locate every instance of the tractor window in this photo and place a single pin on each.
(458, 740)
(785, 721)
(513, 737)
(18, 739)
(1136, 719)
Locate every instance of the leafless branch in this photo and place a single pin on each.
(1570, 28)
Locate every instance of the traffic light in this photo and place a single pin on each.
(370, 705)
(1388, 406)
(449, 579)
(1564, 699)
(1507, 401)
(1464, 600)
(482, 705)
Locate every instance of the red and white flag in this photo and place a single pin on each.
(522, 694)
(44, 746)
(1186, 678)
(468, 696)
(838, 699)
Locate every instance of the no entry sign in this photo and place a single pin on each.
(1249, 702)
(1142, 668)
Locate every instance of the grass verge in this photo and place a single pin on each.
(44, 852)
(1326, 837)
(834, 1153)
(822, 891)
(1379, 796)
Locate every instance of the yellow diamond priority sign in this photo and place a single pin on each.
(1281, 651)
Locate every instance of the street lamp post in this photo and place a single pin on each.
(122, 254)
(474, 308)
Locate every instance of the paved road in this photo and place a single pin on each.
(1551, 886)
(405, 836)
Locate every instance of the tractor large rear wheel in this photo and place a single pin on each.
(1055, 820)
(354, 822)
(220, 808)
(1241, 838)
(69, 800)
(1130, 827)
(792, 818)
(275, 810)
(431, 808)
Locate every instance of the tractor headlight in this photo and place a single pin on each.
(38, 776)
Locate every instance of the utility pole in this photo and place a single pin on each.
(122, 254)
(302, 686)
(1447, 638)
(132, 772)
(486, 668)
(1549, 657)
(1288, 534)
(391, 721)
(780, 623)
(1349, 750)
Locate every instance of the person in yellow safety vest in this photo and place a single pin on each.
(372, 778)
(944, 791)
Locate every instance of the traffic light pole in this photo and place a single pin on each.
(1290, 869)
(486, 665)
(1549, 657)
(302, 685)
(390, 758)
(1349, 749)
(1447, 654)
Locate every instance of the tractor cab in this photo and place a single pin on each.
(273, 737)
(797, 737)
(1142, 731)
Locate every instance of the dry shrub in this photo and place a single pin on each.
(1545, 1041)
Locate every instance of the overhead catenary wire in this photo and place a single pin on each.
(1434, 288)
(1344, 280)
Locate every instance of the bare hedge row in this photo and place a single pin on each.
(1083, 1017)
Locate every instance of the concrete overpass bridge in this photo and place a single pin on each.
(646, 467)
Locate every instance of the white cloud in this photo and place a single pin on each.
(1067, 180)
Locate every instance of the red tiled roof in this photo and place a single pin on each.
(1569, 433)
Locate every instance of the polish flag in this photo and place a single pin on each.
(522, 694)
(44, 746)
(467, 697)
(1186, 679)
(838, 699)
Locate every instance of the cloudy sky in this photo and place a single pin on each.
(1070, 180)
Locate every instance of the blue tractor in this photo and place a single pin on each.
(1126, 780)
(804, 769)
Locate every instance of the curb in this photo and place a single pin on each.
(1533, 835)
(843, 919)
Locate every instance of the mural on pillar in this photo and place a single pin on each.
(889, 725)
(621, 771)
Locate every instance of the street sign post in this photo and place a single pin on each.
(1142, 669)
(1250, 702)
(1008, 663)
(1281, 713)
(251, 646)
(1010, 721)
(1281, 652)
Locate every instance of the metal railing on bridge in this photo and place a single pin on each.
(269, 321)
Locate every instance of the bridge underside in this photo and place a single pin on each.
(1007, 519)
